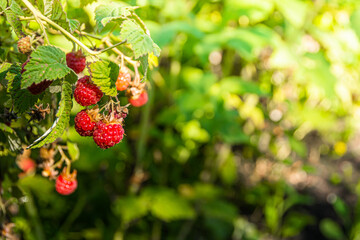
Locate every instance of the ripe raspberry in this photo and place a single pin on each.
(123, 79)
(76, 61)
(24, 45)
(66, 183)
(84, 124)
(36, 88)
(87, 93)
(108, 134)
(141, 100)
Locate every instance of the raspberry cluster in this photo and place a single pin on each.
(136, 93)
(106, 130)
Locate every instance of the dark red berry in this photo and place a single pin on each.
(123, 114)
(66, 183)
(140, 101)
(86, 93)
(107, 134)
(36, 88)
(76, 61)
(24, 45)
(123, 79)
(84, 125)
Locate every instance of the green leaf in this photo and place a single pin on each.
(130, 208)
(104, 74)
(6, 128)
(144, 60)
(4, 69)
(24, 100)
(13, 140)
(167, 205)
(109, 12)
(15, 23)
(47, 62)
(58, 15)
(83, 3)
(238, 85)
(74, 24)
(48, 7)
(62, 120)
(16, 8)
(71, 78)
(293, 10)
(220, 209)
(141, 43)
(3, 4)
(73, 150)
(331, 229)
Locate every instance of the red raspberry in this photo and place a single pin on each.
(141, 100)
(108, 134)
(66, 183)
(84, 125)
(76, 61)
(24, 45)
(36, 88)
(123, 79)
(87, 93)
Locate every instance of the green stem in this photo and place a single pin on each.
(74, 214)
(32, 212)
(38, 15)
(145, 122)
(156, 231)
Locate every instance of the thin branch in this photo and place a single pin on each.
(129, 60)
(38, 15)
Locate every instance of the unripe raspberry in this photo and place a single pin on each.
(76, 61)
(36, 88)
(66, 183)
(123, 79)
(139, 101)
(86, 93)
(27, 164)
(107, 135)
(24, 45)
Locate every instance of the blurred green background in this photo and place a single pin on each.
(250, 132)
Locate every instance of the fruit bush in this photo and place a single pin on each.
(244, 127)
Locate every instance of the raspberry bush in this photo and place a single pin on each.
(39, 73)
(250, 127)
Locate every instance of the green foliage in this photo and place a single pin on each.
(141, 43)
(253, 109)
(62, 120)
(166, 205)
(73, 150)
(331, 229)
(55, 12)
(12, 18)
(112, 12)
(46, 63)
(104, 74)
